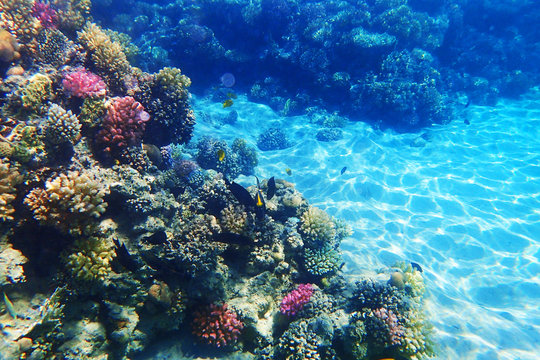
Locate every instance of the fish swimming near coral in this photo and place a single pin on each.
(271, 191)
(241, 194)
(221, 154)
(416, 266)
(10, 308)
(227, 103)
(124, 257)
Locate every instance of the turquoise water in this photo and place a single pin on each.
(461, 200)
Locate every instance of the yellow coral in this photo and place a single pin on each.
(93, 110)
(9, 178)
(91, 260)
(70, 202)
(5, 149)
(172, 78)
(106, 55)
(317, 226)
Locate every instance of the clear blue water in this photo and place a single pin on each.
(461, 200)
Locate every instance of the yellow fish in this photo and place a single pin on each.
(259, 202)
(221, 155)
(288, 171)
(227, 103)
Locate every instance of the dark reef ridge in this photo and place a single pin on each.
(401, 63)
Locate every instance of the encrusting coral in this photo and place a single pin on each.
(70, 202)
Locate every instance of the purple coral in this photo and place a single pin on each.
(391, 322)
(294, 301)
(46, 15)
(83, 83)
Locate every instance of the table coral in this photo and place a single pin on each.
(9, 178)
(217, 325)
(70, 202)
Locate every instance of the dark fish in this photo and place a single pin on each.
(288, 171)
(260, 206)
(241, 194)
(271, 191)
(343, 170)
(416, 266)
(468, 103)
(232, 238)
(124, 257)
(157, 238)
(467, 122)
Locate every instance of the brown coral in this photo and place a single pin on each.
(70, 202)
(317, 226)
(9, 178)
(8, 47)
(15, 18)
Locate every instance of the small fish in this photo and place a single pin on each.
(343, 170)
(227, 103)
(288, 171)
(231, 95)
(467, 122)
(416, 266)
(124, 257)
(221, 154)
(270, 192)
(10, 308)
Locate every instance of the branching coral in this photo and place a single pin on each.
(9, 178)
(166, 98)
(123, 126)
(324, 261)
(317, 227)
(61, 126)
(83, 83)
(299, 343)
(106, 56)
(217, 325)
(36, 92)
(294, 301)
(70, 202)
(91, 259)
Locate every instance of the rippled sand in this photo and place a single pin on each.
(461, 200)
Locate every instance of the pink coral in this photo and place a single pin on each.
(294, 301)
(83, 83)
(390, 320)
(217, 325)
(123, 125)
(46, 15)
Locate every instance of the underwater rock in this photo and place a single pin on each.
(11, 265)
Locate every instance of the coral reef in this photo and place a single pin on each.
(61, 126)
(294, 301)
(82, 83)
(273, 139)
(123, 125)
(317, 226)
(91, 260)
(71, 202)
(217, 325)
(9, 179)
